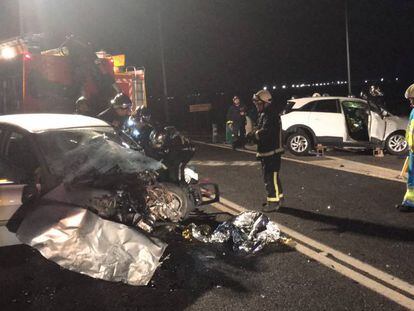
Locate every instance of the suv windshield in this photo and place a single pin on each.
(76, 152)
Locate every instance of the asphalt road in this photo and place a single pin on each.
(349, 212)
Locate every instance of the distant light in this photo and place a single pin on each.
(382, 79)
(366, 81)
(283, 86)
(317, 84)
(293, 85)
(396, 79)
(338, 82)
(27, 56)
(8, 53)
(274, 87)
(302, 85)
(265, 88)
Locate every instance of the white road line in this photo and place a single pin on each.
(334, 163)
(321, 255)
(383, 276)
(224, 163)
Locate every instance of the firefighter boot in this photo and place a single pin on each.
(270, 207)
(404, 208)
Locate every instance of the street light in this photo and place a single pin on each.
(8, 53)
(348, 60)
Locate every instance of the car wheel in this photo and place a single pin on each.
(299, 143)
(396, 144)
(180, 200)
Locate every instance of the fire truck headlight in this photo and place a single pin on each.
(8, 53)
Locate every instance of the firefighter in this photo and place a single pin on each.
(82, 106)
(408, 202)
(236, 118)
(119, 111)
(268, 136)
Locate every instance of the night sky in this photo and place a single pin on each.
(231, 45)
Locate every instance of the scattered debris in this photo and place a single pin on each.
(249, 232)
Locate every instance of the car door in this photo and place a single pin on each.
(10, 201)
(18, 165)
(327, 121)
(10, 196)
(377, 124)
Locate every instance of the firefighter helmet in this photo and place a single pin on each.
(409, 93)
(81, 100)
(121, 101)
(82, 105)
(263, 96)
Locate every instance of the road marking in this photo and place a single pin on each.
(334, 163)
(335, 260)
(224, 163)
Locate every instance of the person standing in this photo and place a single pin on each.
(407, 204)
(236, 118)
(268, 137)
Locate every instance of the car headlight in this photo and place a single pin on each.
(157, 139)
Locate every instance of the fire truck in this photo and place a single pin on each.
(36, 80)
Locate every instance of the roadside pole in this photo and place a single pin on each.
(348, 58)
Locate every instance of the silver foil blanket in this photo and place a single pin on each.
(249, 232)
(81, 241)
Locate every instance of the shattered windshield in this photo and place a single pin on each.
(77, 152)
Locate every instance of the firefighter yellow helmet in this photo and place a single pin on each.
(409, 93)
(263, 95)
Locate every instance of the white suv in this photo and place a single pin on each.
(341, 122)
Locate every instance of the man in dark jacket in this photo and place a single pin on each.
(236, 117)
(268, 136)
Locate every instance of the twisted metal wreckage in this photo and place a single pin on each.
(89, 222)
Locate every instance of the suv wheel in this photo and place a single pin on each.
(299, 143)
(396, 144)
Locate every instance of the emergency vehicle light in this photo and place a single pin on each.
(8, 53)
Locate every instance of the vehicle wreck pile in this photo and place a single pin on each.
(115, 182)
(99, 218)
(102, 178)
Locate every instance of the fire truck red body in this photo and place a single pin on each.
(52, 80)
